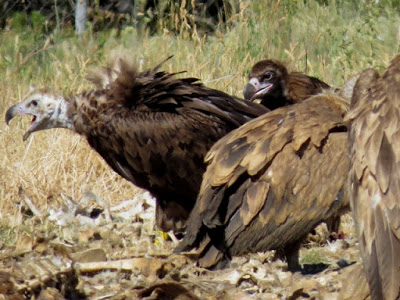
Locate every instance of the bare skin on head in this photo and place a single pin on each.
(47, 108)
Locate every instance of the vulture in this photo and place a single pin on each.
(270, 82)
(374, 139)
(151, 127)
(270, 182)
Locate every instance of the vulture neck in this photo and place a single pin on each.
(279, 95)
(276, 102)
(276, 99)
(64, 114)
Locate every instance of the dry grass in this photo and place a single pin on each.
(326, 40)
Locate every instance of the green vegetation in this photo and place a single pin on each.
(7, 235)
(314, 257)
(329, 39)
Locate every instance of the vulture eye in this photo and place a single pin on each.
(268, 76)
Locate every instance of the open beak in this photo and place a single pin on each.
(256, 90)
(19, 109)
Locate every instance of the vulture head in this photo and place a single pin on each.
(266, 79)
(272, 84)
(48, 110)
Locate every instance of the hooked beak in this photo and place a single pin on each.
(12, 112)
(256, 90)
(248, 91)
(19, 109)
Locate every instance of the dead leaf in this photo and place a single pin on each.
(84, 235)
(90, 255)
(24, 243)
(50, 294)
(307, 285)
(167, 290)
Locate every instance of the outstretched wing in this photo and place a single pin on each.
(273, 179)
(375, 177)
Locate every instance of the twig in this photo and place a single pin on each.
(32, 54)
(29, 203)
(220, 78)
(146, 266)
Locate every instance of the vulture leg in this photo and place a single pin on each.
(333, 224)
(292, 257)
(170, 215)
(211, 256)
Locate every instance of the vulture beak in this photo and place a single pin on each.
(12, 112)
(35, 107)
(256, 89)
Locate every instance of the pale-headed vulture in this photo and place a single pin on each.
(151, 127)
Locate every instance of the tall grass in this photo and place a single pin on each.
(329, 39)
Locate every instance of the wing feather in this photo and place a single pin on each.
(303, 86)
(272, 178)
(375, 177)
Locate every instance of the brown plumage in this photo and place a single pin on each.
(271, 181)
(270, 81)
(152, 128)
(375, 177)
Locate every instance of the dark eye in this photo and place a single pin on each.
(34, 103)
(268, 76)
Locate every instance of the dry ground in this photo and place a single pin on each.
(88, 249)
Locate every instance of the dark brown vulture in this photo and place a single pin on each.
(375, 177)
(152, 128)
(270, 81)
(271, 181)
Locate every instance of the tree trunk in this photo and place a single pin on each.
(80, 16)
